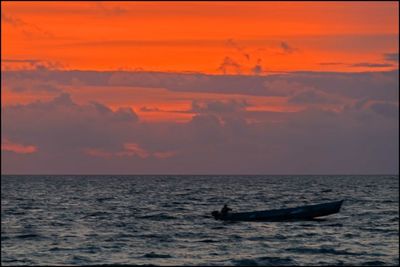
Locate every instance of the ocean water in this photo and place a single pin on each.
(165, 220)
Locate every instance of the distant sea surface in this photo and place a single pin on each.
(165, 220)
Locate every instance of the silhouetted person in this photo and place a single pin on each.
(225, 210)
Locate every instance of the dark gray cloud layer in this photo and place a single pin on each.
(91, 138)
(223, 136)
(374, 85)
(371, 65)
(392, 57)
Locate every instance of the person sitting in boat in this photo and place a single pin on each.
(225, 210)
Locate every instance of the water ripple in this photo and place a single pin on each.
(165, 220)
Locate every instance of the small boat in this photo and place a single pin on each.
(288, 214)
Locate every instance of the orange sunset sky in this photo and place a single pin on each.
(197, 36)
(174, 62)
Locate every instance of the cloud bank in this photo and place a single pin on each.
(222, 136)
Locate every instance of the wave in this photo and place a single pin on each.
(102, 199)
(208, 241)
(29, 236)
(373, 263)
(264, 261)
(155, 255)
(322, 251)
(105, 224)
(157, 217)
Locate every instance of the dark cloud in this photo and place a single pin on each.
(381, 85)
(389, 110)
(35, 64)
(108, 10)
(62, 136)
(359, 64)
(361, 103)
(102, 109)
(61, 124)
(312, 97)
(283, 87)
(257, 69)
(371, 65)
(241, 49)
(376, 85)
(250, 58)
(31, 61)
(34, 86)
(229, 65)
(331, 63)
(125, 114)
(28, 29)
(12, 20)
(391, 57)
(286, 48)
(217, 106)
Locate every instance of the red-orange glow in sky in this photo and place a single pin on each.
(198, 36)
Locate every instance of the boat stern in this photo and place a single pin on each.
(216, 214)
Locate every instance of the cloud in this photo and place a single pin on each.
(359, 64)
(389, 110)
(166, 154)
(33, 86)
(12, 20)
(31, 64)
(135, 149)
(378, 85)
(61, 124)
(125, 114)
(28, 29)
(109, 10)
(7, 145)
(48, 65)
(331, 63)
(180, 82)
(312, 97)
(150, 109)
(241, 49)
(129, 150)
(391, 57)
(92, 138)
(282, 87)
(257, 69)
(230, 66)
(216, 106)
(31, 61)
(381, 85)
(94, 152)
(371, 65)
(286, 48)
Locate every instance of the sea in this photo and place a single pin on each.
(165, 220)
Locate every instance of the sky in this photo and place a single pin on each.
(199, 87)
